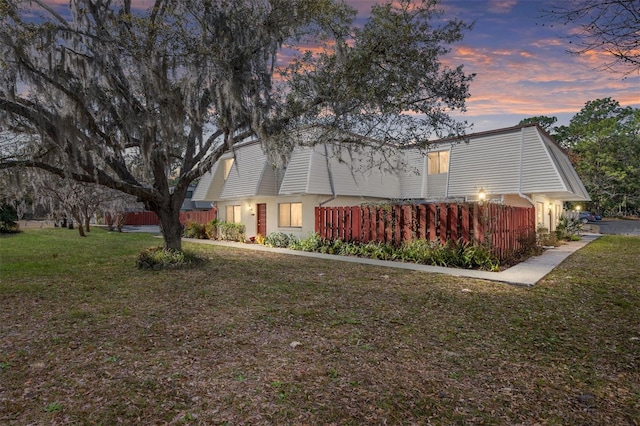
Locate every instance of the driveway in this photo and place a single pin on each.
(618, 227)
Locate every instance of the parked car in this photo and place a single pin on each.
(587, 217)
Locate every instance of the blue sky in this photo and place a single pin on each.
(522, 67)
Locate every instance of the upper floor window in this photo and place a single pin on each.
(438, 162)
(290, 215)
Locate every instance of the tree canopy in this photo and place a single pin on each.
(145, 100)
(611, 26)
(603, 140)
(541, 120)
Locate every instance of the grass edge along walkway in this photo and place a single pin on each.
(526, 273)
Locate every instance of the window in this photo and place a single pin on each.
(228, 163)
(234, 214)
(540, 213)
(290, 215)
(438, 162)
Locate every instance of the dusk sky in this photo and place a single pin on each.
(522, 68)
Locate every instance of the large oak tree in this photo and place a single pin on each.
(145, 100)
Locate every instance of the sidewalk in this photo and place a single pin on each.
(527, 273)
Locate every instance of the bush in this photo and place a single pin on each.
(211, 229)
(280, 239)
(546, 238)
(232, 231)
(452, 254)
(8, 219)
(380, 251)
(195, 230)
(157, 258)
(568, 228)
(418, 251)
(311, 243)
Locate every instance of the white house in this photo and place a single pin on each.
(520, 166)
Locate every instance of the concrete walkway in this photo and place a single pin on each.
(526, 273)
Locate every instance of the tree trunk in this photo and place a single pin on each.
(78, 220)
(86, 223)
(171, 227)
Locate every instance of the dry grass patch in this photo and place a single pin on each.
(262, 338)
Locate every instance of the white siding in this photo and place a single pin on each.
(319, 178)
(308, 172)
(568, 174)
(268, 184)
(361, 176)
(200, 193)
(297, 173)
(215, 178)
(492, 161)
(488, 161)
(246, 173)
(411, 178)
(539, 173)
(436, 186)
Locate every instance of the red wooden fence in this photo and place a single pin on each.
(199, 216)
(150, 218)
(502, 227)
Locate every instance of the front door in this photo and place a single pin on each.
(262, 219)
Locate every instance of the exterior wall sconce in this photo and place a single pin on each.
(578, 209)
(251, 211)
(482, 196)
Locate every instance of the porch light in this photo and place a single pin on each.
(578, 209)
(482, 195)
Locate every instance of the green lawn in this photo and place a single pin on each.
(86, 338)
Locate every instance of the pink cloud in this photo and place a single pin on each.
(501, 6)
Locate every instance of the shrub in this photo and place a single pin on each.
(546, 238)
(157, 258)
(378, 251)
(418, 251)
(232, 231)
(195, 230)
(479, 257)
(8, 219)
(280, 239)
(311, 243)
(452, 254)
(211, 229)
(568, 228)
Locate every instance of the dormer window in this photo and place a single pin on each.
(438, 162)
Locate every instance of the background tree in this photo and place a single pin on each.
(77, 200)
(133, 98)
(8, 218)
(611, 26)
(542, 120)
(603, 140)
